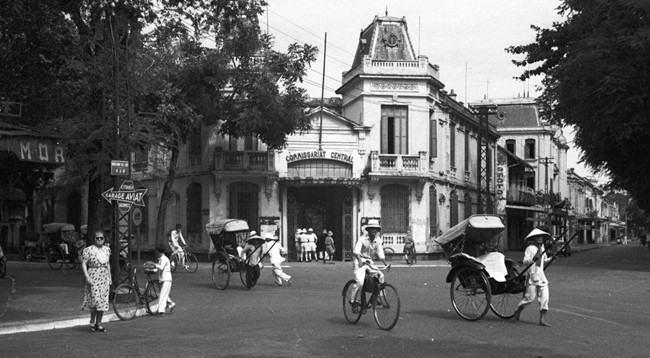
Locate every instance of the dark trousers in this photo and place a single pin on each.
(252, 274)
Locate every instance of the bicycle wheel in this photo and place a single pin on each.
(54, 258)
(125, 302)
(470, 293)
(72, 260)
(220, 272)
(151, 295)
(191, 263)
(173, 263)
(386, 307)
(389, 253)
(350, 315)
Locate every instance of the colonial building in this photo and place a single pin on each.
(396, 146)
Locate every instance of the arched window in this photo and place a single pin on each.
(244, 203)
(453, 208)
(433, 211)
(394, 208)
(194, 216)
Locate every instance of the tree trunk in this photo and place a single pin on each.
(161, 230)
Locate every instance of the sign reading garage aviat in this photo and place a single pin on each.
(320, 154)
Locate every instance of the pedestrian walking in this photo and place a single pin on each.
(275, 251)
(329, 246)
(165, 278)
(95, 264)
(536, 282)
(409, 248)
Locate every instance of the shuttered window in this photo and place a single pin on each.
(394, 130)
(394, 208)
(453, 208)
(194, 195)
(433, 211)
(433, 137)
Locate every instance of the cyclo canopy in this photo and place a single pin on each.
(477, 228)
(225, 232)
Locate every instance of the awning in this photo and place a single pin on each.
(527, 208)
(321, 181)
(518, 160)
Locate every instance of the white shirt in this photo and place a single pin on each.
(365, 247)
(175, 238)
(275, 252)
(164, 269)
(535, 274)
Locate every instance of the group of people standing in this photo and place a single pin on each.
(312, 247)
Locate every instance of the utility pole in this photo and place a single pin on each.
(485, 205)
(547, 200)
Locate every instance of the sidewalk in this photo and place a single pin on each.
(35, 298)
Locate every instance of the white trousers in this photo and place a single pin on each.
(360, 276)
(532, 291)
(279, 275)
(164, 296)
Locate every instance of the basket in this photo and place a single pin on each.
(149, 271)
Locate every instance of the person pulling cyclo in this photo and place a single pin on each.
(177, 243)
(252, 255)
(363, 264)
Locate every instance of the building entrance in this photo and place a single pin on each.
(321, 208)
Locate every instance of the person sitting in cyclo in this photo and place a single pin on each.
(363, 263)
(177, 242)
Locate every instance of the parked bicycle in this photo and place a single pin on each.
(191, 263)
(389, 253)
(384, 300)
(129, 297)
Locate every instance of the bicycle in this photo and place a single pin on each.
(129, 298)
(384, 300)
(191, 263)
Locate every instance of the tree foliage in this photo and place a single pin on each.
(596, 77)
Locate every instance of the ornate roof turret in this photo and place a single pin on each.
(386, 38)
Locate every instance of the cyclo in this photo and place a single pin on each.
(487, 281)
(58, 244)
(227, 236)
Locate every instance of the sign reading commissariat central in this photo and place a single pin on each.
(320, 154)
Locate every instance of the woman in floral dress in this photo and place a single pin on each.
(97, 270)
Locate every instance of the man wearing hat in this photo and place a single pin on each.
(275, 251)
(362, 257)
(536, 282)
(253, 251)
(304, 245)
(298, 243)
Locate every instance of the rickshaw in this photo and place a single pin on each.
(487, 281)
(227, 235)
(57, 245)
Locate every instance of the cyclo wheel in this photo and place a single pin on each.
(470, 293)
(125, 301)
(220, 272)
(72, 260)
(243, 268)
(389, 253)
(54, 257)
(504, 304)
(192, 264)
(151, 295)
(347, 307)
(386, 307)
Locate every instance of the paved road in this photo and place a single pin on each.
(598, 309)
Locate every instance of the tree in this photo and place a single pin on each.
(237, 82)
(596, 77)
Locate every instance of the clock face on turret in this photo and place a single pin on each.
(391, 40)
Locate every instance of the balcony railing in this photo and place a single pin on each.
(398, 163)
(516, 196)
(244, 160)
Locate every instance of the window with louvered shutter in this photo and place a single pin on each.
(394, 208)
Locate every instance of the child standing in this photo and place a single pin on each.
(165, 278)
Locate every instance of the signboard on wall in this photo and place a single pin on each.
(320, 154)
(270, 224)
(501, 184)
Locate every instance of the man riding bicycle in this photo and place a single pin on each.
(176, 243)
(363, 263)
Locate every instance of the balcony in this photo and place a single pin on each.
(521, 197)
(398, 164)
(244, 161)
(421, 67)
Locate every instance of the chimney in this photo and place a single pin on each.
(452, 95)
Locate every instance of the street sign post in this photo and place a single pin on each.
(119, 167)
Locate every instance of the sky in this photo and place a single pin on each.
(466, 38)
